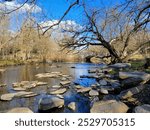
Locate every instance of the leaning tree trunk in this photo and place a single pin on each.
(113, 53)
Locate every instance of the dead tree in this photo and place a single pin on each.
(94, 31)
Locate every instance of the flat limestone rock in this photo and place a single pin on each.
(64, 79)
(30, 95)
(56, 86)
(7, 97)
(84, 90)
(93, 93)
(49, 75)
(59, 91)
(41, 83)
(78, 87)
(28, 84)
(104, 91)
(65, 75)
(25, 84)
(109, 106)
(20, 110)
(21, 94)
(50, 102)
(42, 75)
(108, 88)
(120, 65)
(65, 83)
(17, 84)
(19, 89)
(22, 83)
(141, 75)
(130, 92)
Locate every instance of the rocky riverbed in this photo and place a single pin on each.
(116, 89)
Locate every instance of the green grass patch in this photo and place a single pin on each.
(137, 65)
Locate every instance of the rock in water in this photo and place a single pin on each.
(130, 82)
(47, 75)
(59, 91)
(56, 86)
(109, 106)
(49, 102)
(108, 88)
(141, 75)
(84, 90)
(78, 87)
(130, 92)
(16, 84)
(93, 93)
(120, 65)
(19, 89)
(104, 91)
(63, 83)
(63, 79)
(26, 84)
(41, 83)
(21, 94)
(103, 82)
(7, 96)
(142, 109)
(72, 106)
(20, 110)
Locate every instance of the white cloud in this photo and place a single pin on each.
(64, 25)
(9, 6)
(57, 31)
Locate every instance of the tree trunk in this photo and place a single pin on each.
(113, 53)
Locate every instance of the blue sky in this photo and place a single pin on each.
(54, 9)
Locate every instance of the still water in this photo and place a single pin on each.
(28, 72)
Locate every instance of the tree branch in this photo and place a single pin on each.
(66, 12)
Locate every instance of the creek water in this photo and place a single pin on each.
(28, 72)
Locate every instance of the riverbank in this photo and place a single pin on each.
(5, 63)
(135, 64)
(117, 88)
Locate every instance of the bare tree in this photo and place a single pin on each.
(105, 27)
(5, 36)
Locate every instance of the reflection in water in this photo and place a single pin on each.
(28, 72)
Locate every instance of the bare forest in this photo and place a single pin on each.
(114, 34)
